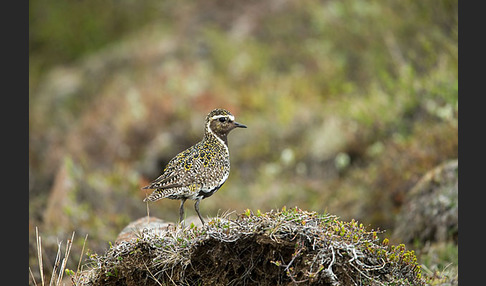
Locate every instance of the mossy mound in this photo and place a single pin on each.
(281, 247)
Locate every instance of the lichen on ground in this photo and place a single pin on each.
(280, 247)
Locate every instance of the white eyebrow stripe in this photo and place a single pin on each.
(231, 117)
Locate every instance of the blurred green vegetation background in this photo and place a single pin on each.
(348, 103)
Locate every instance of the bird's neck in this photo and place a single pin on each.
(219, 138)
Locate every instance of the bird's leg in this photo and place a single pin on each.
(196, 206)
(181, 212)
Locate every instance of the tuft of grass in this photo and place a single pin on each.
(59, 267)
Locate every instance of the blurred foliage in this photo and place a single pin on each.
(348, 104)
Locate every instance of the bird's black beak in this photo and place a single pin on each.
(239, 125)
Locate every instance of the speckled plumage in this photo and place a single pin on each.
(199, 171)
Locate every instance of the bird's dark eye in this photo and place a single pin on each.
(222, 119)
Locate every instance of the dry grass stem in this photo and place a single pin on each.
(39, 254)
(59, 266)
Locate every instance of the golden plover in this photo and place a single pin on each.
(199, 171)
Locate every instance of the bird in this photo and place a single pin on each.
(199, 171)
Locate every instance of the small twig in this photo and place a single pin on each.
(81, 256)
(148, 211)
(39, 254)
(353, 249)
(56, 263)
(69, 243)
(295, 255)
(372, 267)
(329, 268)
(361, 272)
(150, 272)
(32, 275)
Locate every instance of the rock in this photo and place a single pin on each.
(146, 223)
(150, 224)
(430, 210)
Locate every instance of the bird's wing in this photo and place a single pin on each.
(174, 173)
(164, 182)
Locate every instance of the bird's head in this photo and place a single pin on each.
(220, 122)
